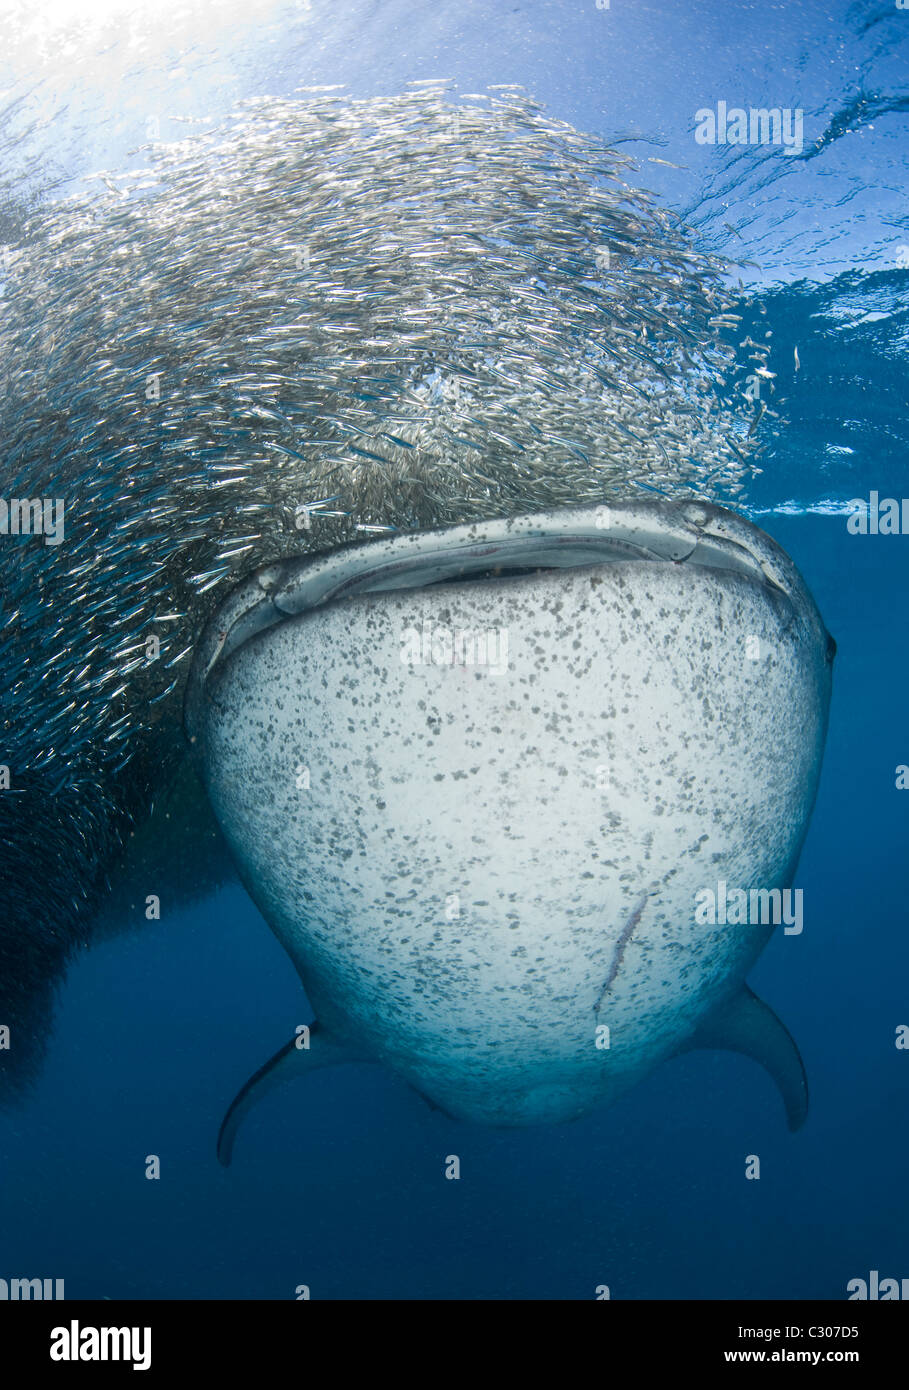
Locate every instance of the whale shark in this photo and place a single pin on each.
(477, 780)
(462, 308)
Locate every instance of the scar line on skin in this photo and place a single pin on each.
(624, 938)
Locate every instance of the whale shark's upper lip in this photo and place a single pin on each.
(695, 533)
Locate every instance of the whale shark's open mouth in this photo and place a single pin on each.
(694, 533)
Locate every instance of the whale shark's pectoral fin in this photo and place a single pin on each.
(746, 1024)
(292, 1061)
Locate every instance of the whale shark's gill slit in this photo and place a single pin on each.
(625, 936)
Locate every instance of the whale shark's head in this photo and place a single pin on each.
(476, 778)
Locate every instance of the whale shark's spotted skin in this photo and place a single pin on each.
(487, 866)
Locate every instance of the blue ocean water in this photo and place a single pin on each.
(339, 1183)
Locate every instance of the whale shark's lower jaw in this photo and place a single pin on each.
(476, 779)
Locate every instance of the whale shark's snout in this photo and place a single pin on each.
(478, 780)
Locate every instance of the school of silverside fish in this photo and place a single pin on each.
(319, 320)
